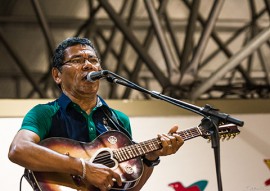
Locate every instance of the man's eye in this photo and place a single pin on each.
(76, 61)
(93, 60)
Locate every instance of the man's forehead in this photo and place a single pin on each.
(84, 46)
(80, 48)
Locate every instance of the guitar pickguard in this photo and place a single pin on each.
(105, 156)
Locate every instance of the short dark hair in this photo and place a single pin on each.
(58, 57)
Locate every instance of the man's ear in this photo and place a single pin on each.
(56, 74)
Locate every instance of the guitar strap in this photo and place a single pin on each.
(28, 175)
(115, 122)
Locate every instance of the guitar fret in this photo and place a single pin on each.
(157, 145)
(143, 152)
(145, 147)
(120, 155)
(138, 148)
(117, 155)
(135, 150)
(129, 151)
(196, 132)
(189, 133)
(182, 134)
(152, 146)
(123, 153)
(186, 134)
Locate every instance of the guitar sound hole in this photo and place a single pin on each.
(104, 157)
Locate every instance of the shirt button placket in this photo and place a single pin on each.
(92, 133)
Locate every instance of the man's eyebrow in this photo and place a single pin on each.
(92, 56)
(76, 56)
(73, 56)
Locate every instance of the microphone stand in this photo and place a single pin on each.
(212, 118)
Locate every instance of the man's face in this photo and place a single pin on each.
(79, 60)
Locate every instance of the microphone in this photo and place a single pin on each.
(93, 76)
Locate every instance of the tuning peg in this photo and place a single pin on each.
(221, 137)
(229, 136)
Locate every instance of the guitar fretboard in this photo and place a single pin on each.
(140, 149)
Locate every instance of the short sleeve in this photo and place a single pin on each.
(39, 119)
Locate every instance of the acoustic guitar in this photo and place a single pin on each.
(113, 149)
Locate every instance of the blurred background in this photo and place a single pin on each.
(187, 49)
(209, 51)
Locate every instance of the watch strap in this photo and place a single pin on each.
(151, 163)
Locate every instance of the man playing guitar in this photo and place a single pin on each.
(81, 115)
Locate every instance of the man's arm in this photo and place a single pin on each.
(25, 151)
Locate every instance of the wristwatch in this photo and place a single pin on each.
(151, 163)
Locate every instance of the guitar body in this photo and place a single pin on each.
(98, 151)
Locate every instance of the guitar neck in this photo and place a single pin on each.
(142, 148)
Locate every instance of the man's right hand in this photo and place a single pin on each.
(101, 176)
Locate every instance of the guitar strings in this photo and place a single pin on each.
(133, 151)
(139, 149)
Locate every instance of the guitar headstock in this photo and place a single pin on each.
(228, 131)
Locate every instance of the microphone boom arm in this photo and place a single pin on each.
(206, 111)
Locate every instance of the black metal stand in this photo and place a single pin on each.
(212, 118)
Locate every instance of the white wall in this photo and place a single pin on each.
(242, 165)
(10, 173)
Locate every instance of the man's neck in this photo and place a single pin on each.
(87, 103)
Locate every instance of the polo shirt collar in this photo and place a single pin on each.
(64, 101)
